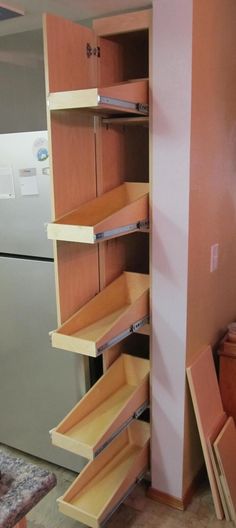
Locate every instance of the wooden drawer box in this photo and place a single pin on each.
(104, 482)
(131, 98)
(108, 315)
(106, 408)
(116, 212)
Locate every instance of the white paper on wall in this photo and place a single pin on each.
(28, 182)
(7, 190)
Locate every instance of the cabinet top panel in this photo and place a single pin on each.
(123, 23)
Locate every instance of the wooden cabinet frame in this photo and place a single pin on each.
(100, 171)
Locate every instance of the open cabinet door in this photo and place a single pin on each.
(69, 58)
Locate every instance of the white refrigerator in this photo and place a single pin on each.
(38, 384)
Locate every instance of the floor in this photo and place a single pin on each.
(137, 512)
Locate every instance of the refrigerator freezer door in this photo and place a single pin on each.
(24, 194)
(38, 384)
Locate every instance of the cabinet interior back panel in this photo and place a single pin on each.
(129, 52)
(122, 155)
(128, 253)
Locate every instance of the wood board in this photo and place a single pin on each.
(119, 208)
(227, 382)
(104, 482)
(228, 349)
(210, 441)
(123, 23)
(208, 410)
(225, 450)
(105, 408)
(90, 99)
(105, 317)
(126, 121)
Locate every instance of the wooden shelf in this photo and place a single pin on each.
(108, 318)
(126, 121)
(131, 98)
(106, 409)
(105, 482)
(118, 212)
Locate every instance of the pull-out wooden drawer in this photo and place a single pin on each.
(105, 482)
(119, 395)
(118, 310)
(130, 97)
(115, 213)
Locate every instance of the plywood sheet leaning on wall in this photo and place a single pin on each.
(225, 450)
(208, 410)
(210, 441)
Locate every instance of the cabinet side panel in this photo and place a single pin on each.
(78, 278)
(74, 183)
(67, 65)
(136, 153)
(73, 154)
(110, 67)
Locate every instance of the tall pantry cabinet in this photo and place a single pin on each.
(97, 96)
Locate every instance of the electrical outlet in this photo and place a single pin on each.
(214, 260)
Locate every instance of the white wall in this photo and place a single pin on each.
(22, 100)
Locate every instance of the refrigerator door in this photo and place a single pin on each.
(24, 194)
(38, 384)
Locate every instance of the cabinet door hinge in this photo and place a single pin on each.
(92, 51)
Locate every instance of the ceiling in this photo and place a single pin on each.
(73, 9)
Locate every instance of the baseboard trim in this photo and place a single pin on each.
(175, 502)
(165, 498)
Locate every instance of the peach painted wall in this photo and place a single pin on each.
(211, 296)
(171, 127)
